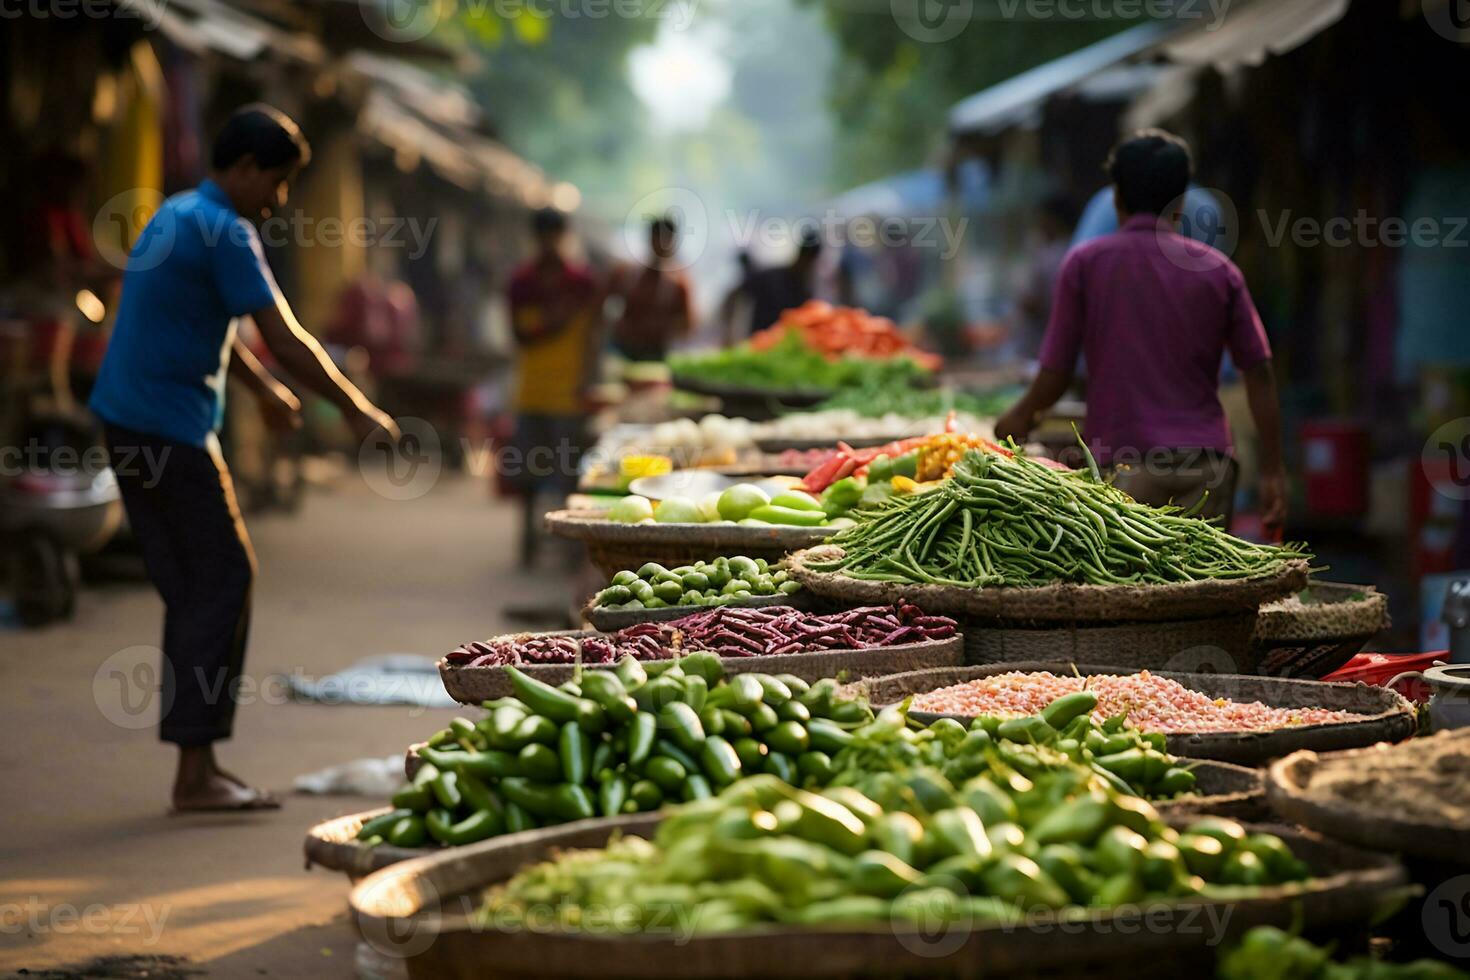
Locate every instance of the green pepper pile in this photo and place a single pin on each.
(616, 741)
(715, 583)
(1063, 735)
(914, 849)
(1268, 953)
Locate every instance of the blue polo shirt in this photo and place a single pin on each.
(196, 266)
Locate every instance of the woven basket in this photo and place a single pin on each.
(1286, 784)
(1222, 642)
(424, 910)
(755, 404)
(614, 546)
(1062, 602)
(778, 446)
(1386, 716)
(333, 844)
(471, 685)
(1294, 639)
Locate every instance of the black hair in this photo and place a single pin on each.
(263, 132)
(548, 221)
(1150, 169)
(664, 224)
(810, 243)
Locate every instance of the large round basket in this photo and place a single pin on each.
(333, 844)
(614, 546)
(426, 909)
(1316, 631)
(1385, 716)
(1062, 602)
(1287, 783)
(471, 685)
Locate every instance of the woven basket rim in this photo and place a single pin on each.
(591, 526)
(1327, 621)
(611, 620)
(1060, 602)
(1286, 782)
(332, 844)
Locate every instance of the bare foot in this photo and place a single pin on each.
(217, 792)
(202, 786)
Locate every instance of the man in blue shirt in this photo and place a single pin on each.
(196, 267)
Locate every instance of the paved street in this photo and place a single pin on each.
(90, 862)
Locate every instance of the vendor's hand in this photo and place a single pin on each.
(1014, 424)
(373, 422)
(280, 408)
(1272, 494)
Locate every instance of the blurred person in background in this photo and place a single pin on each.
(1154, 312)
(553, 311)
(196, 267)
(657, 308)
(775, 290)
(734, 310)
(1051, 238)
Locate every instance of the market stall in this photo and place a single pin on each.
(924, 685)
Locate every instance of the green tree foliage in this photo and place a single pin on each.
(891, 93)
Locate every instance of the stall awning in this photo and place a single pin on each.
(1018, 100)
(1126, 64)
(203, 26)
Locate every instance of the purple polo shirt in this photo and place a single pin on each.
(1153, 312)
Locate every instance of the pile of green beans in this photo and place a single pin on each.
(1009, 521)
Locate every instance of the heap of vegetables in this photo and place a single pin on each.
(917, 402)
(1268, 952)
(915, 851)
(615, 741)
(1062, 736)
(1006, 520)
(712, 583)
(744, 503)
(788, 363)
(842, 331)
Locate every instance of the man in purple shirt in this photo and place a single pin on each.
(1153, 313)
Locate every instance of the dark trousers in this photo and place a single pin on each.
(185, 518)
(1181, 477)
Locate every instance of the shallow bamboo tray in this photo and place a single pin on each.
(471, 685)
(614, 546)
(1062, 602)
(1223, 789)
(422, 910)
(1386, 715)
(612, 620)
(1288, 778)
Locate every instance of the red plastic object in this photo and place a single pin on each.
(1379, 668)
(1335, 467)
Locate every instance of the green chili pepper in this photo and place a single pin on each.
(517, 819)
(827, 737)
(631, 673)
(696, 787)
(682, 722)
(663, 747)
(788, 737)
(576, 751)
(477, 795)
(1065, 709)
(477, 826)
(416, 798)
(815, 767)
(763, 718)
(378, 826)
(641, 734)
(408, 832)
(604, 688)
(646, 794)
(1033, 729)
(721, 762)
(446, 790)
(667, 773)
(543, 699)
(540, 762)
(781, 766)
